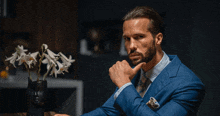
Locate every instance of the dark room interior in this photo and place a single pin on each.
(192, 31)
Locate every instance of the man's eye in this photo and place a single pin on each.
(126, 38)
(139, 37)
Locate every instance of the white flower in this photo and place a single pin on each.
(55, 71)
(62, 67)
(12, 58)
(21, 51)
(44, 46)
(48, 61)
(51, 59)
(29, 59)
(22, 59)
(34, 56)
(66, 62)
(29, 62)
(25, 59)
(51, 54)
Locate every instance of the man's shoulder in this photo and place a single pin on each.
(183, 72)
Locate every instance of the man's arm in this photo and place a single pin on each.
(184, 101)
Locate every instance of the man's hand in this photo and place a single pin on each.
(122, 73)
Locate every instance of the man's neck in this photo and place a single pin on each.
(156, 59)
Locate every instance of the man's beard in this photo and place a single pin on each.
(149, 55)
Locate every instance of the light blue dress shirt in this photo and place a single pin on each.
(151, 74)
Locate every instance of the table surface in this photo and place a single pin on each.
(20, 80)
(51, 113)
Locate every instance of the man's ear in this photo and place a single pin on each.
(158, 39)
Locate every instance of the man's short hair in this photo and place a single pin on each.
(147, 12)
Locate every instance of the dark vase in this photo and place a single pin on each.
(36, 97)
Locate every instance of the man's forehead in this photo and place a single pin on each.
(135, 26)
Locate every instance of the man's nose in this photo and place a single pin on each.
(133, 44)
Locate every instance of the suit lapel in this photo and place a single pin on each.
(159, 83)
(163, 78)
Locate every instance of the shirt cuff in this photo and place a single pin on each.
(120, 89)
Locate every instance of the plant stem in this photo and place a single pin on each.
(25, 64)
(39, 66)
(44, 77)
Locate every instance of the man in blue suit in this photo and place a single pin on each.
(172, 88)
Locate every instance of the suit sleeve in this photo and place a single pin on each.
(184, 101)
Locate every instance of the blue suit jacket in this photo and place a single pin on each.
(177, 89)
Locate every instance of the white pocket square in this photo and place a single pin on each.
(152, 103)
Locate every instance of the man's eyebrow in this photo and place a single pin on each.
(138, 34)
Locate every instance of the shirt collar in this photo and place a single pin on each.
(156, 70)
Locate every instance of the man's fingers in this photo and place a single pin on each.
(138, 67)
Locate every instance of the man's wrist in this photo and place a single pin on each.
(119, 85)
(121, 89)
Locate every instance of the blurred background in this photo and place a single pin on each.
(91, 32)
